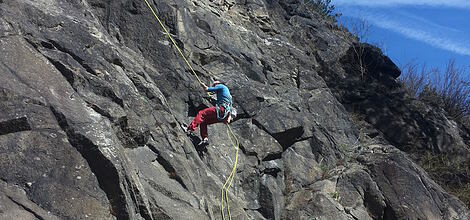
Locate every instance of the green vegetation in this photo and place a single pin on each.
(324, 8)
(335, 195)
(325, 171)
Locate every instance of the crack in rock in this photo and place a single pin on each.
(104, 170)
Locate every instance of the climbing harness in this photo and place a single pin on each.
(229, 112)
(229, 180)
(227, 109)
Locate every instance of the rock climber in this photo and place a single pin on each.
(221, 112)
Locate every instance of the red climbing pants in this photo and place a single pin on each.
(205, 117)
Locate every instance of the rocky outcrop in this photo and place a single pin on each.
(93, 95)
(377, 98)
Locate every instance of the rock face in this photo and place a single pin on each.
(93, 96)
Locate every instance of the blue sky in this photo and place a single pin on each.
(426, 31)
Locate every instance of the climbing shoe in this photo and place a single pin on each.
(204, 141)
(186, 130)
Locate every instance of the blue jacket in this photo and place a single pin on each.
(223, 94)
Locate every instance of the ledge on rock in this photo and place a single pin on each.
(281, 124)
(14, 125)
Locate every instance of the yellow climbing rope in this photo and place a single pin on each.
(229, 180)
(232, 175)
(173, 41)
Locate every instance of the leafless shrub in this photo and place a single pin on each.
(414, 80)
(360, 29)
(454, 88)
(449, 89)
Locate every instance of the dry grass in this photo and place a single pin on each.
(452, 174)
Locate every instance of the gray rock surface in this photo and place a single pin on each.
(93, 96)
